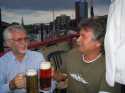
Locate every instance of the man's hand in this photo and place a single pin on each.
(62, 84)
(18, 82)
(59, 76)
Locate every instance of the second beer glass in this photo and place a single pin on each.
(45, 76)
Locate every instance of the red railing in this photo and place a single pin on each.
(38, 44)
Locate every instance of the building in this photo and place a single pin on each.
(81, 10)
(36, 32)
(41, 31)
(91, 9)
(62, 23)
(60, 26)
(22, 21)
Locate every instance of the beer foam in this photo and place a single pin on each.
(31, 72)
(45, 65)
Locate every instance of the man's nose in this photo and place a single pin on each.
(78, 40)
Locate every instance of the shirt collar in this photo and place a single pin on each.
(86, 61)
(14, 58)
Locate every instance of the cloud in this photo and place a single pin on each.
(33, 16)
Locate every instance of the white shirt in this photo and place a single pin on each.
(115, 43)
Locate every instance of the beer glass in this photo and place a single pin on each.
(32, 81)
(45, 76)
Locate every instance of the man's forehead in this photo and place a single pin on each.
(18, 32)
(86, 29)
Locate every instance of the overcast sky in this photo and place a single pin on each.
(40, 11)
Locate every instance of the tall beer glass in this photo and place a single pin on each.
(32, 81)
(45, 75)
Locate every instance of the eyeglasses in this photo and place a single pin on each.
(26, 39)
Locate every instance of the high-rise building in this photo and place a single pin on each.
(81, 10)
(91, 9)
(22, 21)
(62, 22)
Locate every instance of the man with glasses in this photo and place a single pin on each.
(16, 62)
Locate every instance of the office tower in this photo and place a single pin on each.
(81, 10)
(22, 21)
(91, 9)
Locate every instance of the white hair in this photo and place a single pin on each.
(7, 32)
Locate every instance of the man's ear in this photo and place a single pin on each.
(7, 43)
(98, 44)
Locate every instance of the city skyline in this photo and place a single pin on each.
(41, 11)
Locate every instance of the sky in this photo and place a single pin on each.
(41, 11)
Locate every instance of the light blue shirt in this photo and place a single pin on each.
(10, 67)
